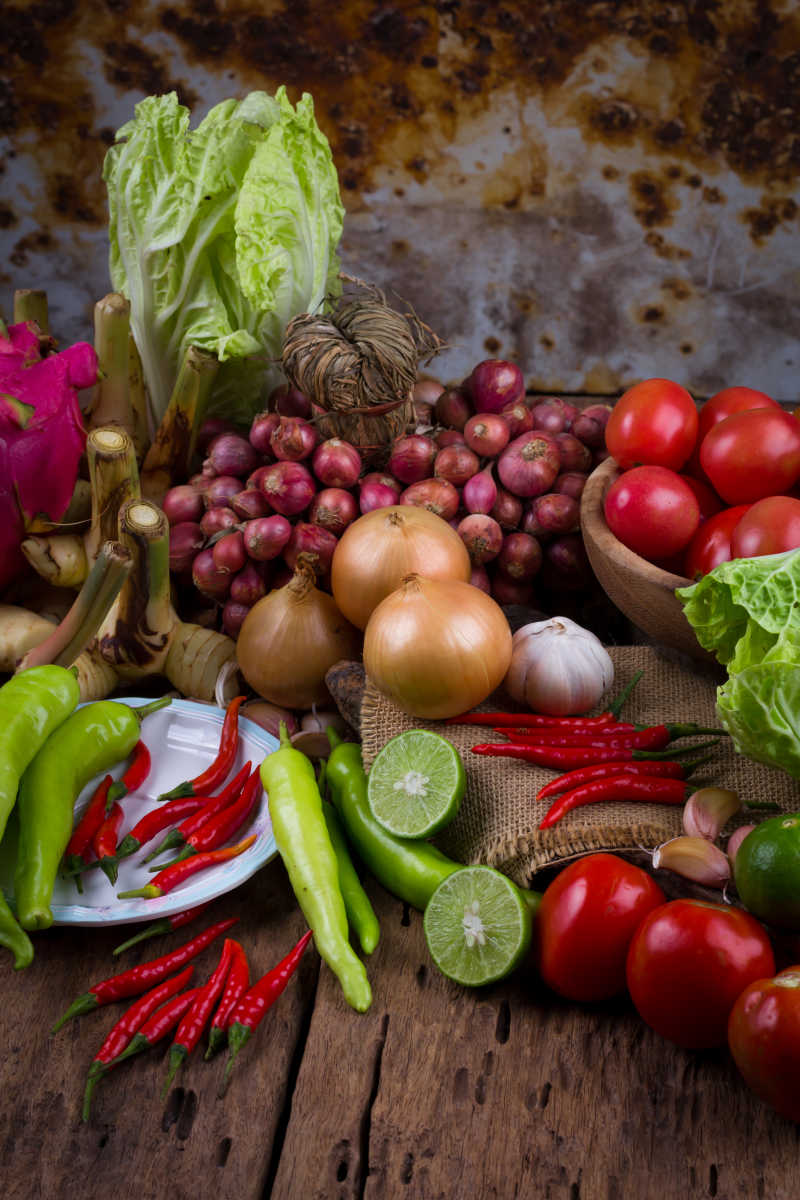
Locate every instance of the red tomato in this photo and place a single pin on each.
(687, 964)
(752, 454)
(764, 1038)
(728, 401)
(587, 917)
(654, 422)
(711, 544)
(705, 495)
(652, 511)
(771, 525)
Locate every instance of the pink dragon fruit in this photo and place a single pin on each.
(42, 436)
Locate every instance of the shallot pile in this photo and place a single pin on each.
(504, 469)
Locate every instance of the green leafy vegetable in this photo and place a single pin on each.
(220, 235)
(747, 613)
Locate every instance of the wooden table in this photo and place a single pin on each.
(436, 1092)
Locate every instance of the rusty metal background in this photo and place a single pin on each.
(603, 191)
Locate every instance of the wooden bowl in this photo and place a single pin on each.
(643, 592)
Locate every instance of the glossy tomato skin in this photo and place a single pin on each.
(752, 454)
(764, 1039)
(688, 962)
(711, 544)
(706, 497)
(585, 922)
(771, 526)
(654, 423)
(652, 511)
(729, 401)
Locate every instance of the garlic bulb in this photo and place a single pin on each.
(558, 667)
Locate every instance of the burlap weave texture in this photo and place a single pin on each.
(499, 817)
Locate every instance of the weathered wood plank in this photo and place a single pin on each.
(189, 1144)
(442, 1092)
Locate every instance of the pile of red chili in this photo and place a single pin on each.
(226, 1005)
(601, 758)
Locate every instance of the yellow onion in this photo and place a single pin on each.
(377, 551)
(290, 638)
(437, 647)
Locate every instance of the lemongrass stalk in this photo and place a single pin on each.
(30, 304)
(110, 403)
(171, 451)
(137, 394)
(114, 480)
(135, 637)
(196, 657)
(20, 630)
(58, 558)
(90, 608)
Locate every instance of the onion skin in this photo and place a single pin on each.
(494, 384)
(482, 536)
(221, 491)
(233, 617)
(437, 647)
(186, 540)
(574, 454)
(249, 504)
(288, 487)
(376, 495)
(382, 547)
(590, 424)
(229, 553)
(480, 492)
(487, 434)
(297, 615)
(217, 519)
(183, 503)
(452, 408)
(456, 464)
(479, 578)
(289, 401)
(293, 439)
(512, 591)
(520, 557)
(269, 716)
(507, 510)
(570, 483)
(336, 463)
(411, 458)
(436, 495)
(312, 540)
(261, 430)
(248, 585)
(231, 454)
(334, 509)
(519, 418)
(529, 464)
(208, 579)
(265, 537)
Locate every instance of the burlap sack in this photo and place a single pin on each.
(499, 817)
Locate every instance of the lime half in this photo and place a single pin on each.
(416, 784)
(477, 925)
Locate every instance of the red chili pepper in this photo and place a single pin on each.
(620, 788)
(156, 821)
(566, 758)
(216, 831)
(170, 877)
(634, 737)
(566, 737)
(135, 775)
(162, 1022)
(533, 720)
(237, 984)
(216, 772)
(104, 842)
(129, 1023)
(669, 768)
(209, 805)
(163, 925)
(138, 979)
(255, 1003)
(194, 1020)
(78, 851)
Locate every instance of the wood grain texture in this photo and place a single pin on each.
(436, 1092)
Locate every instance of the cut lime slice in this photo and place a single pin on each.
(416, 783)
(478, 926)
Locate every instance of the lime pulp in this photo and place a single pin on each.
(477, 926)
(416, 784)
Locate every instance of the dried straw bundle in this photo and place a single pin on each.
(359, 364)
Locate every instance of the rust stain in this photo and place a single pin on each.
(393, 83)
(652, 201)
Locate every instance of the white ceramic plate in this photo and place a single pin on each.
(183, 739)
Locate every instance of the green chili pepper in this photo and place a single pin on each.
(94, 738)
(360, 913)
(409, 868)
(32, 705)
(12, 935)
(304, 844)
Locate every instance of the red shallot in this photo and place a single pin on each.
(334, 509)
(336, 463)
(265, 537)
(411, 458)
(289, 487)
(529, 464)
(494, 384)
(437, 495)
(480, 491)
(456, 464)
(482, 536)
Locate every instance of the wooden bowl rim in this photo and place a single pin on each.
(593, 523)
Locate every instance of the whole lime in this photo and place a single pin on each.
(766, 871)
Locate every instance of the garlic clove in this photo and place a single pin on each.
(708, 810)
(736, 839)
(694, 858)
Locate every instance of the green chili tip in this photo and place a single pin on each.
(84, 1004)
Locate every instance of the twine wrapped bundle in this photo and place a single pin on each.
(358, 365)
